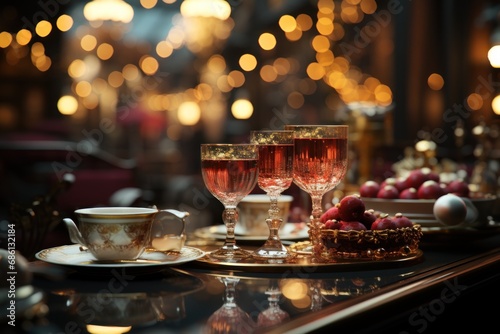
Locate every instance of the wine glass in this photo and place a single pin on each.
(275, 176)
(319, 164)
(229, 318)
(230, 173)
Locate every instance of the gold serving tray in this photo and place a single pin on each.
(301, 262)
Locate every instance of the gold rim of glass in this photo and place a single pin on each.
(319, 131)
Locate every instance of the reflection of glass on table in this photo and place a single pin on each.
(273, 315)
(229, 318)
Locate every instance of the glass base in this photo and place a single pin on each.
(230, 254)
(272, 249)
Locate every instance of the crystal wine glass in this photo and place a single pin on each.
(320, 163)
(230, 173)
(230, 318)
(275, 176)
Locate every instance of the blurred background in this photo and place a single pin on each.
(106, 102)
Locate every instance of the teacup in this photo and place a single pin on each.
(254, 210)
(124, 233)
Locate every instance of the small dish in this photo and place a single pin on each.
(376, 244)
(77, 257)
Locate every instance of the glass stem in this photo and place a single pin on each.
(274, 222)
(230, 284)
(230, 217)
(316, 207)
(315, 218)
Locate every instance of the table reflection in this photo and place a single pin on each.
(117, 303)
(258, 303)
(230, 318)
(274, 314)
(188, 298)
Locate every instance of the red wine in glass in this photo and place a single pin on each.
(229, 180)
(319, 164)
(230, 173)
(275, 167)
(275, 176)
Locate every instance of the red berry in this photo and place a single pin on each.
(332, 225)
(330, 214)
(458, 187)
(383, 223)
(401, 221)
(352, 225)
(433, 176)
(430, 189)
(388, 192)
(369, 189)
(408, 193)
(351, 208)
(388, 181)
(400, 184)
(368, 218)
(418, 176)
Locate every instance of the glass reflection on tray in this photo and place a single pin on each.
(354, 286)
(274, 314)
(122, 302)
(230, 318)
(205, 301)
(252, 304)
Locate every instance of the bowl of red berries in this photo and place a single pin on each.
(350, 229)
(416, 194)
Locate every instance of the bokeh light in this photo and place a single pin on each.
(242, 109)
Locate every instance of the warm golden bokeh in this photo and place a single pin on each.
(43, 28)
(64, 22)
(88, 42)
(248, 62)
(23, 37)
(105, 51)
(199, 28)
(242, 109)
(267, 41)
(435, 81)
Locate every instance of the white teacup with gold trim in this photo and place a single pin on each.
(124, 233)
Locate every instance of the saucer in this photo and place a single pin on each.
(290, 231)
(76, 256)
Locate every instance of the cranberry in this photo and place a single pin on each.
(332, 225)
(409, 193)
(432, 175)
(383, 223)
(351, 208)
(401, 221)
(352, 225)
(430, 189)
(389, 181)
(458, 187)
(418, 176)
(401, 183)
(330, 214)
(388, 192)
(368, 218)
(369, 189)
